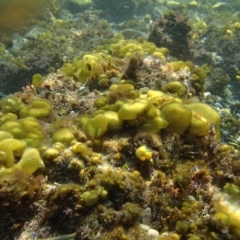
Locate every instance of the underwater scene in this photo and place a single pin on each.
(119, 120)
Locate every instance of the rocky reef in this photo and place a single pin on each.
(105, 136)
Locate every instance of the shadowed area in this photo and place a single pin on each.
(14, 13)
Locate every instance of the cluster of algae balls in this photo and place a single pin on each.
(126, 48)
(155, 110)
(89, 65)
(150, 112)
(121, 106)
(107, 61)
(21, 134)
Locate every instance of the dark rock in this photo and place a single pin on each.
(173, 32)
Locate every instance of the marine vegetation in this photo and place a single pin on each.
(118, 138)
(103, 156)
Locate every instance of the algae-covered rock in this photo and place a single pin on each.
(172, 31)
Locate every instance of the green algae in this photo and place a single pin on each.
(96, 180)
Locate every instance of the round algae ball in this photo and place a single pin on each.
(169, 236)
(143, 153)
(154, 125)
(11, 147)
(50, 153)
(131, 110)
(152, 112)
(15, 128)
(10, 104)
(103, 194)
(8, 117)
(114, 122)
(177, 65)
(223, 217)
(30, 124)
(33, 130)
(231, 189)
(96, 126)
(5, 135)
(86, 65)
(178, 117)
(30, 160)
(174, 87)
(208, 113)
(63, 135)
(101, 102)
(40, 108)
(81, 148)
(154, 94)
(90, 198)
(199, 125)
(159, 55)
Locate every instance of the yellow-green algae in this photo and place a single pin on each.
(64, 136)
(105, 168)
(30, 158)
(99, 66)
(178, 117)
(143, 153)
(175, 87)
(10, 104)
(27, 129)
(37, 80)
(38, 108)
(21, 135)
(208, 113)
(172, 114)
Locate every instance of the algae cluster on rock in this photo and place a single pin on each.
(140, 111)
(144, 142)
